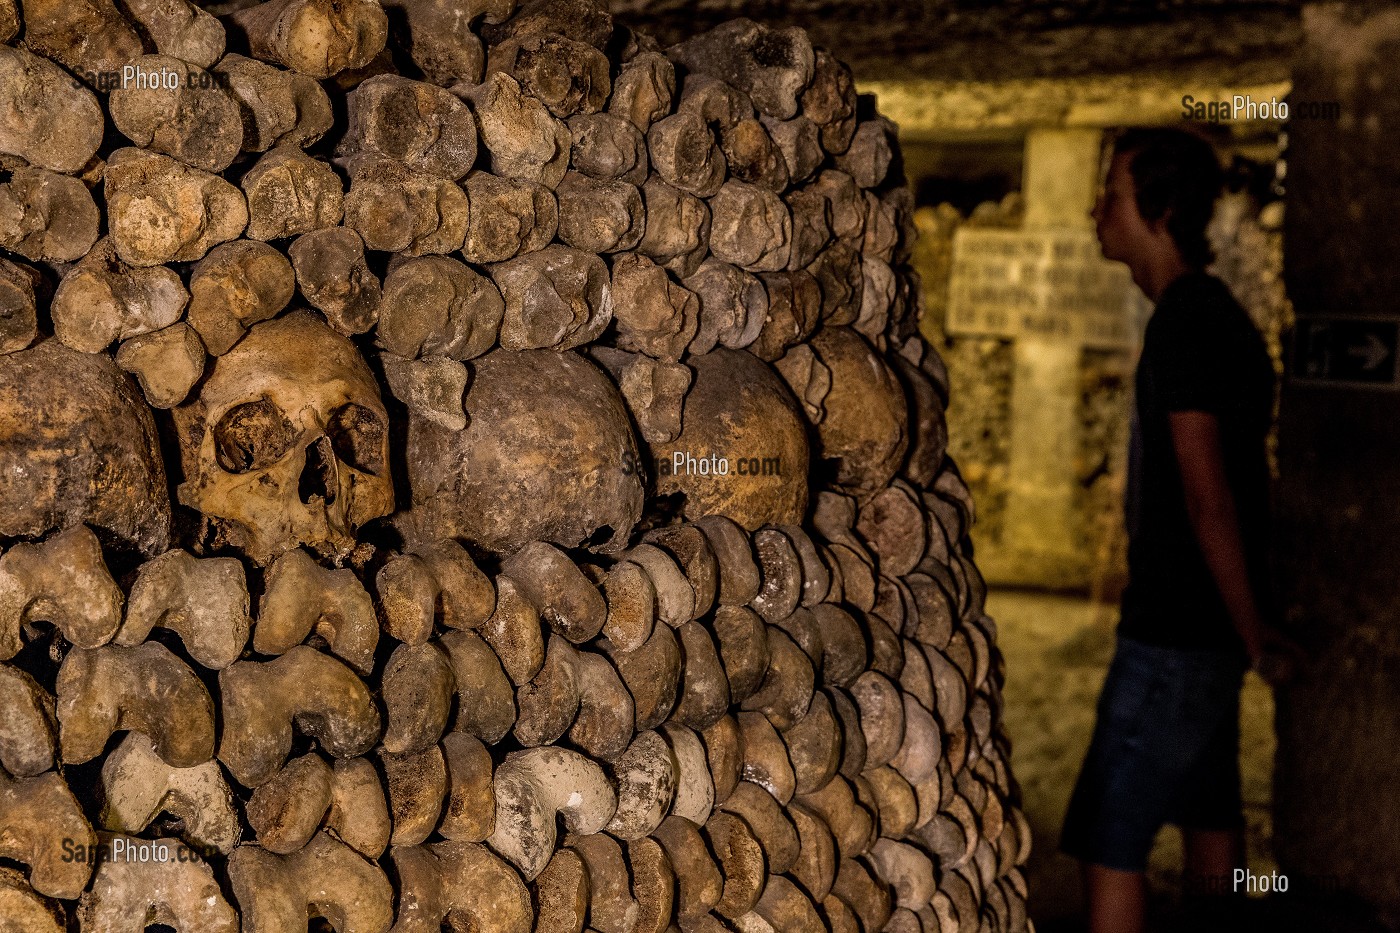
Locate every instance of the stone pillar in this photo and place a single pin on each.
(1338, 519)
(1043, 525)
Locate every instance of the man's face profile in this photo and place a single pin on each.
(1121, 230)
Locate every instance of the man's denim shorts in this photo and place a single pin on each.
(1165, 750)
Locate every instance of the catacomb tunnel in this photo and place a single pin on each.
(688, 466)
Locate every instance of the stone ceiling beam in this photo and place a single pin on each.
(938, 110)
(965, 40)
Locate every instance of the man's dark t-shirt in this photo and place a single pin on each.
(1201, 352)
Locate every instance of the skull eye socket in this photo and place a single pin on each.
(357, 437)
(252, 436)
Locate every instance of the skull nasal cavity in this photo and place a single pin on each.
(318, 479)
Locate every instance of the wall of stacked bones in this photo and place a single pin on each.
(356, 368)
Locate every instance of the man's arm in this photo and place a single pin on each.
(1211, 507)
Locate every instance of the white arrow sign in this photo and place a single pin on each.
(1372, 353)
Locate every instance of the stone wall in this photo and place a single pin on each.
(1339, 461)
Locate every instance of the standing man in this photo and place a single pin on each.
(1166, 745)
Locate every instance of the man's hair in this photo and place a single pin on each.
(1177, 176)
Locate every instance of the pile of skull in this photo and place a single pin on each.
(581, 463)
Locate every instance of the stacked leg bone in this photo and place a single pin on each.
(465, 466)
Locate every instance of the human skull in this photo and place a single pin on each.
(287, 443)
(741, 418)
(864, 435)
(78, 445)
(548, 454)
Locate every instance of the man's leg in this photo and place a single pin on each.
(1211, 817)
(1209, 903)
(1117, 899)
(1212, 855)
(1124, 790)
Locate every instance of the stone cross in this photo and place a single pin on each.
(1047, 288)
